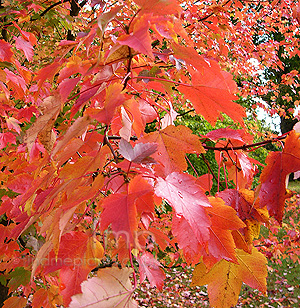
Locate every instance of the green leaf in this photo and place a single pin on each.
(20, 276)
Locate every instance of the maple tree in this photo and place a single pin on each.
(94, 159)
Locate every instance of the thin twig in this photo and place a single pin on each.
(210, 170)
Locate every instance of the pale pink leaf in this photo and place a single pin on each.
(112, 288)
(149, 267)
(25, 46)
(139, 154)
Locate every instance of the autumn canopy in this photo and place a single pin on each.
(95, 146)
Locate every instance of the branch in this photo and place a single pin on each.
(106, 141)
(48, 9)
(133, 138)
(246, 146)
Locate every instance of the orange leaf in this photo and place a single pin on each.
(15, 302)
(5, 51)
(173, 142)
(77, 129)
(212, 92)
(159, 7)
(224, 218)
(42, 127)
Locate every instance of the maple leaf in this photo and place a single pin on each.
(188, 200)
(186, 239)
(243, 202)
(66, 87)
(111, 288)
(25, 46)
(6, 138)
(120, 210)
(85, 164)
(106, 17)
(228, 133)
(50, 109)
(272, 190)
(71, 279)
(223, 219)
(173, 142)
(46, 298)
(212, 92)
(13, 123)
(139, 39)
(47, 72)
(5, 51)
(139, 154)
(76, 256)
(149, 267)
(75, 130)
(71, 249)
(205, 181)
(190, 56)
(225, 279)
(159, 7)
(114, 98)
(15, 302)
(26, 35)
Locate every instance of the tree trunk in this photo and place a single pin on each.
(287, 124)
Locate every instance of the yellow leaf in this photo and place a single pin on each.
(252, 230)
(225, 279)
(94, 252)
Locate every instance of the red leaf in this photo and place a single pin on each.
(71, 278)
(243, 202)
(190, 56)
(70, 254)
(149, 267)
(274, 178)
(27, 35)
(120, 210)
(139, 154)
(20, 183)
(13, 123)
(106, 17)
(66, 87)
(50, 108)
(47, 72)
(296, 13)
(188, 201)
(6, 138)
(228, 133)
(5, 51)
(186, 239)
(139, 39)
(77, 129)
(114, 98)
(205, 181)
